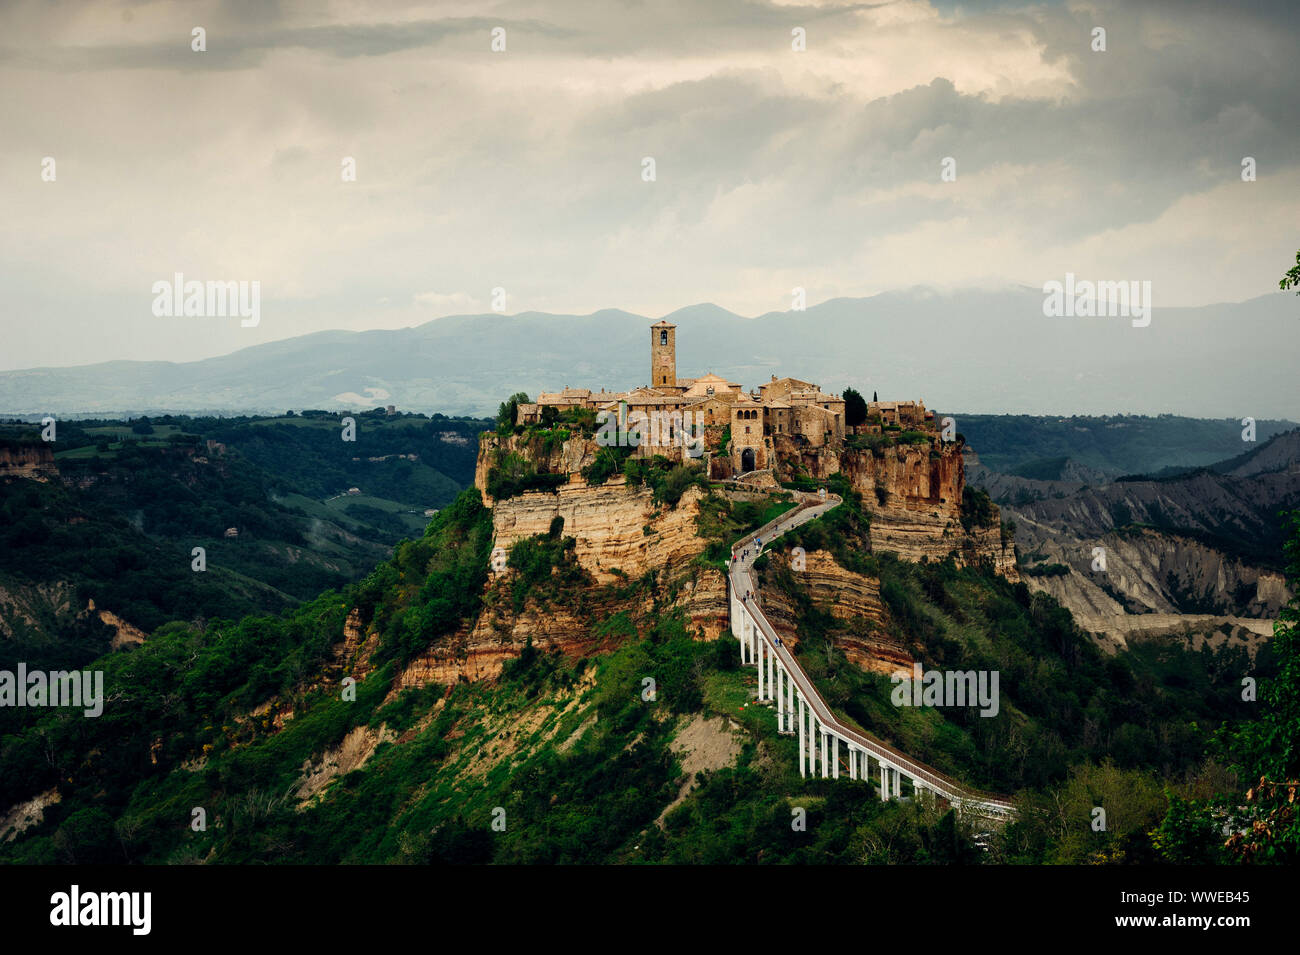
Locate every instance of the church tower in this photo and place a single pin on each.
(663, 355)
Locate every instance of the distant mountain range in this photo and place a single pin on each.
(991, 351)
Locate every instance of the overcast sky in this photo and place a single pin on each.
(523, 169)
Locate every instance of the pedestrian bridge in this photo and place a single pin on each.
(801, 710)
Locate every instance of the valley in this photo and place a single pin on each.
(110, 512)
(473, 675)
(1195, 554)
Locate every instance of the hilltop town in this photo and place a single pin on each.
(740, 431)
(586, 450)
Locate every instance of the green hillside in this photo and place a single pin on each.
(568, 757)
(134, 498)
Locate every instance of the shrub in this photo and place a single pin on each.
(508, 411)
(1046, 570)
(608, 462)
(977, 508)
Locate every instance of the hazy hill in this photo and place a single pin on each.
(990, 350)
(1088, 449)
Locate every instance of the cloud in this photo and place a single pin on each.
(523, 169)
(447, 304)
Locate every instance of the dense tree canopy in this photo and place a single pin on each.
(855, 407)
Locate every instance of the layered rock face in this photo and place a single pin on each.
(609, 523)
(867, 641)
(914, 494)
(34, 461)
(500, 634)
(1180, 552)
(1155, 584)
(620, 535)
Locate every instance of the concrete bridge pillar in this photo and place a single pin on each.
(780, 701)
(758, 649)
(812, 741)
(801, 738)
(789, 683)
(812, 745)
(884, 782)
(835, 757)
(771, 667)
(739, 628)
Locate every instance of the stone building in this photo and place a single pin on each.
(663, 355)
(780, 407)
(750, 447)
(901, 414)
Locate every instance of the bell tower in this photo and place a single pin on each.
(663, 355)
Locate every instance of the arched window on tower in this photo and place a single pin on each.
(663, 336)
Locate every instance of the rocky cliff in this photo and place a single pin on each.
(620, 531)
(547, 456)
(1154, 584)
(35, 461)
(867, 640)
(914, 493)
(620, 535)
(1196, 554)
